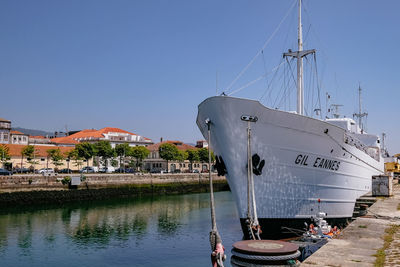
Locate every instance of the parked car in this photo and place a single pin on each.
(5, 172)
(21, 170)
(126, 170)
(45, 171)
(89, 169)
(66, 170)
(107, 170)
(130, 170)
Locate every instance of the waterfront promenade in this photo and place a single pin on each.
(372, 240)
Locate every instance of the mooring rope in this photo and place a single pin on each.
(252, 218)
(261, 50)
(217, 254)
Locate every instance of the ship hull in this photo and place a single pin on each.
(308, 166)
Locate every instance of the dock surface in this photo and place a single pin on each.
(364, 238)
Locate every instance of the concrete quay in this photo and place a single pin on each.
(33, 182)
(371, 240)
(30, 190)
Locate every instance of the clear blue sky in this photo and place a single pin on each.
(144, 66)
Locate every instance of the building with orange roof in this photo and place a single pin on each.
(18, 138)
(154, 163)
(201, 143)
(113, 135)
(41, 158)
(64, 141)
(9, 136)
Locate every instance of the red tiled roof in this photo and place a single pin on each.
(16, 132)
(4, 120)
(95, 134)
(63, 140)
(180, 145)
(41, 151)
(87, 133)
(113, 130)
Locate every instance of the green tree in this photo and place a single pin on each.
(182, 156)
(56, 156)
(4, 154)
(139, 153)
(69, 155)
(114, 163)
(193, 156)
(203, 154)
(122, 150)
(73, 155)
(168, 152)
(104, 150)
(30, 153)
(85, 150)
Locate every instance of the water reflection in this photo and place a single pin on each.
(118, 232)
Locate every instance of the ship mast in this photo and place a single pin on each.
(299, 56)
(360, 114)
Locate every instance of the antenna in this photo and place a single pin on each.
(328, 110)
(336, 113)
(360, 114)
(216, 82)
(383, 148)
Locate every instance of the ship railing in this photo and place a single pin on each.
(371, 151)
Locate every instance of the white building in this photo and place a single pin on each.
(5, 128)
(113, 135)
(18, 138)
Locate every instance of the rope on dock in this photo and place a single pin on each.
(383, 217)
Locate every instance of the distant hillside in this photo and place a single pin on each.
(32, 132)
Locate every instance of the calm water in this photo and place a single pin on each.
(157, 231)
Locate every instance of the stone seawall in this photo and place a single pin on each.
(39, 189)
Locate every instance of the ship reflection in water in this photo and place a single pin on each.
(158, 231)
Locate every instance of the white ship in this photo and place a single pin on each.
(309, 164)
